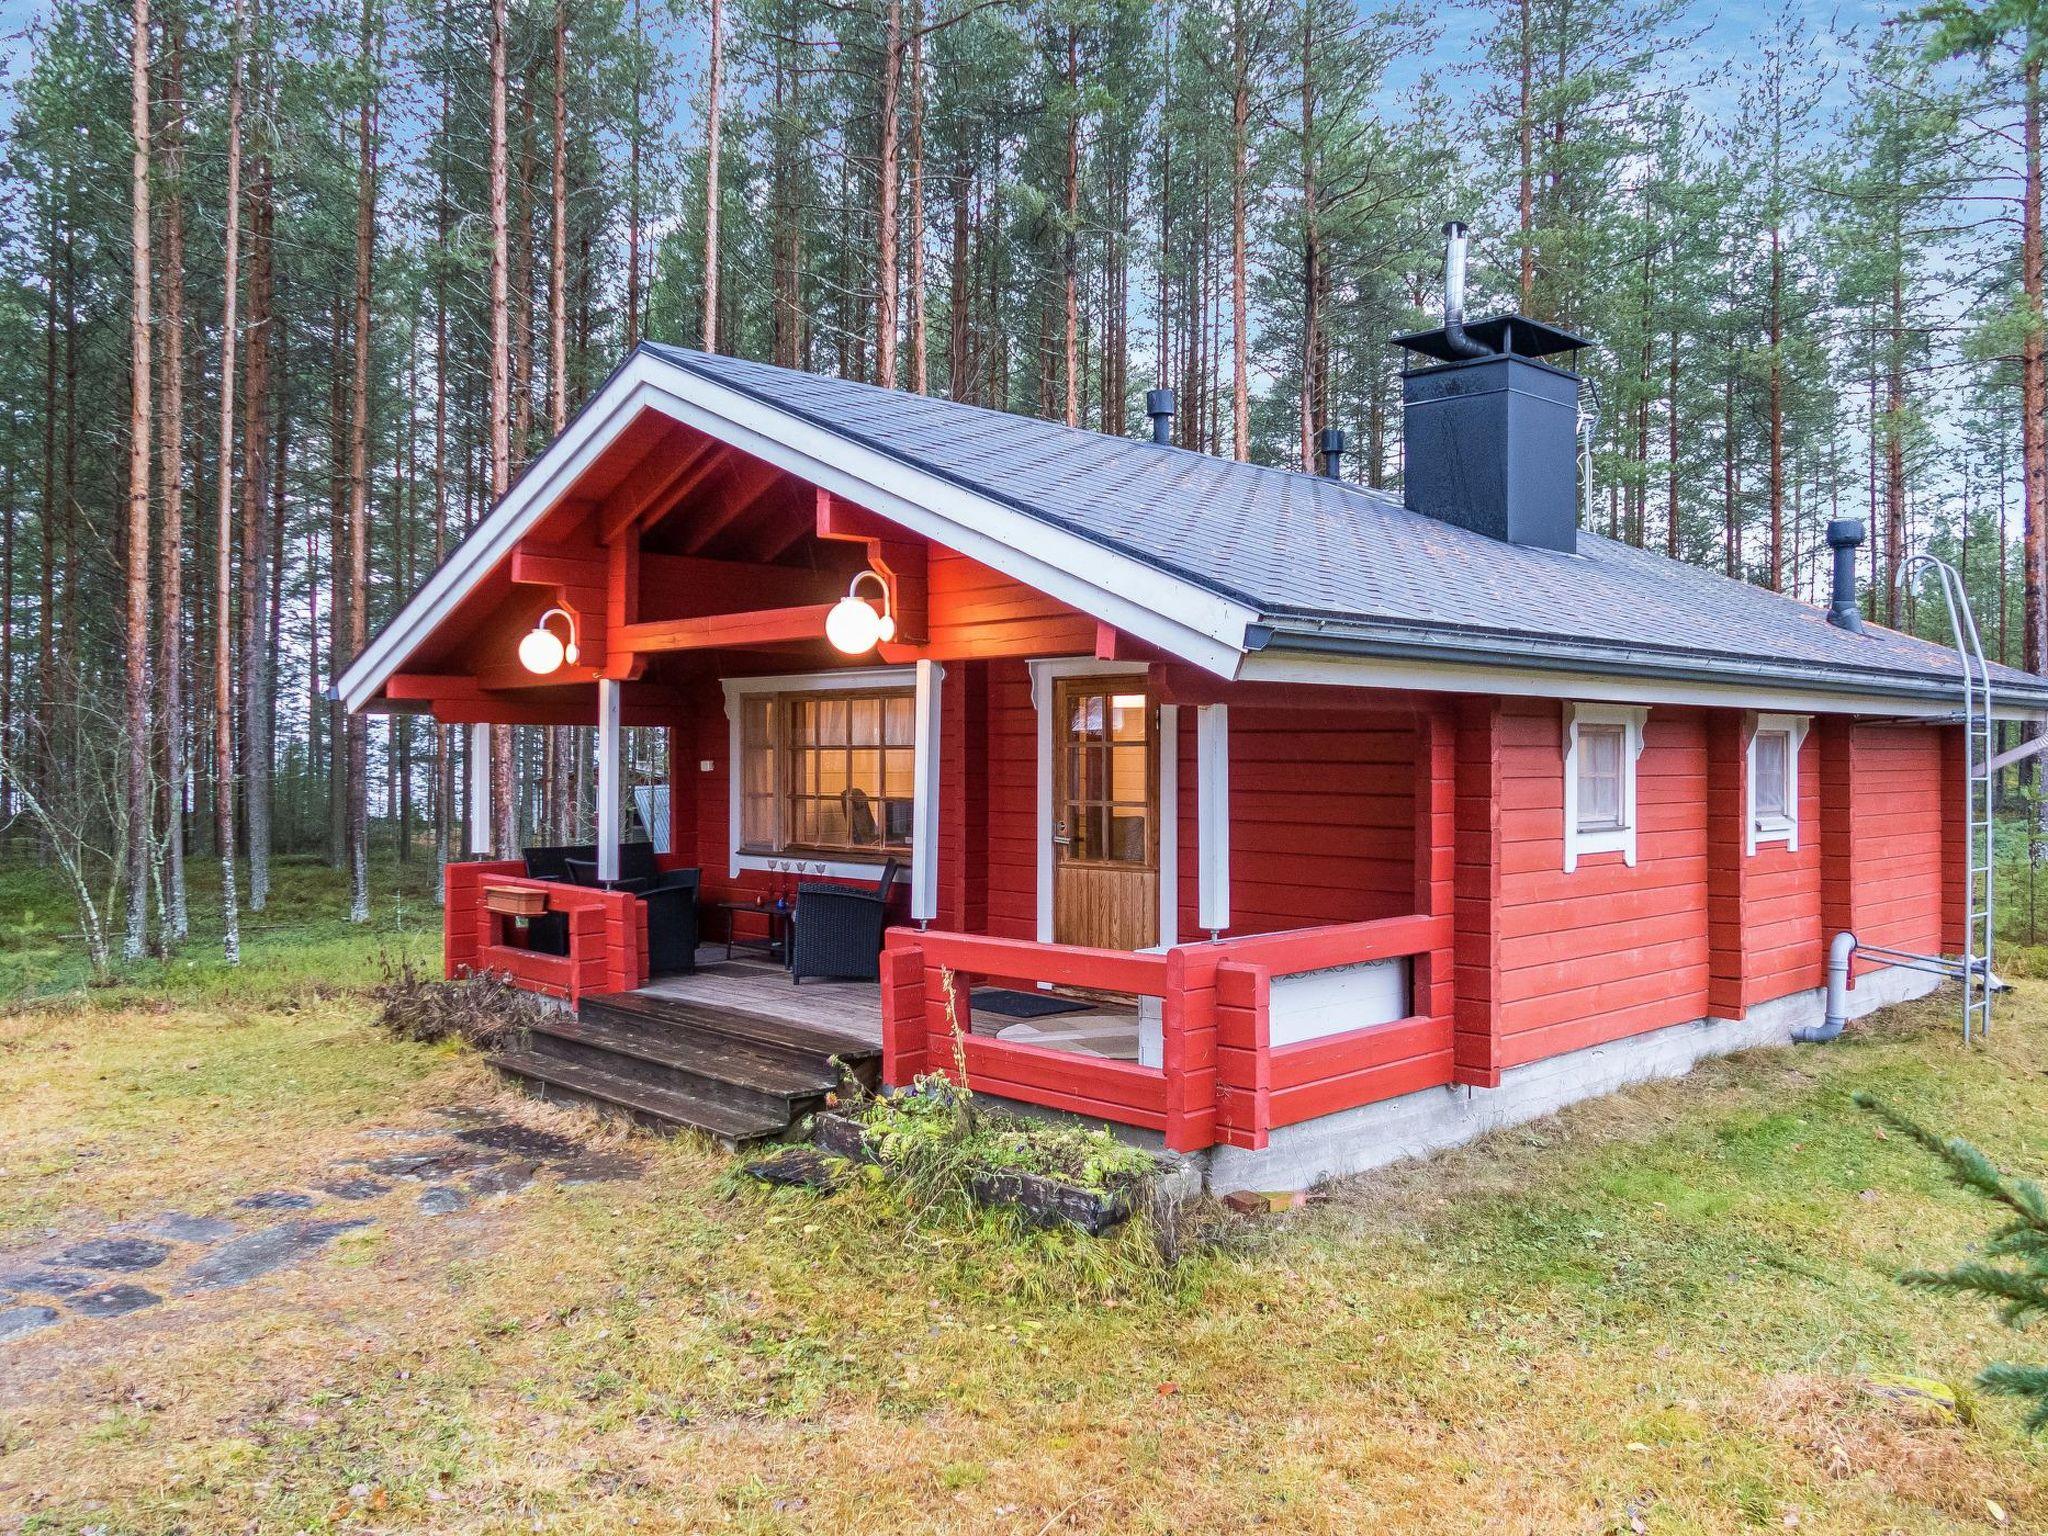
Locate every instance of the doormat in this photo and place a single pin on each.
(1021, 1005)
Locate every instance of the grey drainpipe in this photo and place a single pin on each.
(1841, 950)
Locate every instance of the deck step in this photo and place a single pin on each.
(714, 1066)
(658, 1108)
(666, 1015)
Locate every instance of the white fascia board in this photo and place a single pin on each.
(1104, 583)
(1542, 683)
(1138, 598)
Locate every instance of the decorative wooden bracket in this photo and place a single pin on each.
(897, 557)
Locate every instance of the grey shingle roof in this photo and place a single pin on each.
(1311, 553)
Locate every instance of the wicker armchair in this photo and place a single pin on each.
(836, 930)
(670, 897)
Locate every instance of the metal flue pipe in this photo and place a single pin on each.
(1454, 295)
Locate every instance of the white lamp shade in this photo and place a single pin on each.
(540, 651)
(854, 627)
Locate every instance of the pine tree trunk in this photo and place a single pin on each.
(1777, 411)
(712, 153)
(359, 470)
(1070, 232)
(1311, 249)
(170, 678)
(887, 173)
(502, 781)
(137, 797)
(2033, 401)
(260, 562)
(223, 576)
(920, 373)
(633, 133)
(1240, 296)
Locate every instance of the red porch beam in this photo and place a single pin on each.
(431, 685)
(715, 631)
(749, 487)
(557, 565)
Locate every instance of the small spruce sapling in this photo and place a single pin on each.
(2018, 1288)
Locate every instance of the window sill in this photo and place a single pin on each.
(1773, 832)
(826, 866)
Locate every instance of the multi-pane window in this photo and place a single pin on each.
(1106, 780)
(827, 772)
(1602, 793)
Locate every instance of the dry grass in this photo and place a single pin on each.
(1654, 1313)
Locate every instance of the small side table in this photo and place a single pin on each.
(775, 944)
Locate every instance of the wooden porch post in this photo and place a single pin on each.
(924, 805)
(607, 779)
(1212, 817)
(479, 788)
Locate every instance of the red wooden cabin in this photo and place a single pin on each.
(1357, 824)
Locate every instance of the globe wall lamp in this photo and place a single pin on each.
(853, 626)
(541, 651)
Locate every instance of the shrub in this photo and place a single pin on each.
(481, 1009)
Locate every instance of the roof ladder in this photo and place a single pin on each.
(1981, 765)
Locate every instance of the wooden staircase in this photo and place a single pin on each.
(669, 1064)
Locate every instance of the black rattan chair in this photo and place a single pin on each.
(670, 897)
(836, 930)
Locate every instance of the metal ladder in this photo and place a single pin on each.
(1980, 769)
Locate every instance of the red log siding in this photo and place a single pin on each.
(1322, 817)
(1607, 950)
(1784, 944)
(977, 612)
(1010, 771)
(1898, 866)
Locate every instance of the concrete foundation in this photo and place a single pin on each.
(1417, 1124)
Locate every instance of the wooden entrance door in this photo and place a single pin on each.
(1105, 813)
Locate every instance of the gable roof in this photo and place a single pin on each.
(1212, 559)
(1329, 559)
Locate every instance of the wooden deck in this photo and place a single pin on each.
(754, 985)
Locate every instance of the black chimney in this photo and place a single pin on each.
(1159, 406)
(1330, 446)
(1845, 536)
(1491, 429)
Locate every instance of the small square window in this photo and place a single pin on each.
(1600, 777)
(1774, 780)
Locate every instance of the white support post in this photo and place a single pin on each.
(1169, 825)
(607, 778)
(924, 805)
(1212, 817)
(479, 789)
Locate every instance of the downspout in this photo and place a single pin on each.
(1455, 338)
(1841, 950)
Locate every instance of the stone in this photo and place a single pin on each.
(503, 1178)
(276, 1200)
(259, 1253)
(52, 1282)
(356, 1189)
(183, 1228)
(422, 1166)
(115, 1301)
(599, 1168)
(799, 1168)
(15, 1321)
(442, 1200)
(124, 1254)
(520, 1140)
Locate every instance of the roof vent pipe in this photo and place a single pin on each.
(1845, 535)
(1455, 338)
(1330, 446)
(1159, 406)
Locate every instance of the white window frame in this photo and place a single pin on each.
(853, 680)
(1783, 829)
(1621, 839)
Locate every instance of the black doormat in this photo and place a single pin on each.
(1021, 1005)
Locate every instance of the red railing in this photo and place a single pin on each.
(1220, 1079)
(607, 934)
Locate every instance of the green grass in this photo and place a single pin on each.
(1656, 1311)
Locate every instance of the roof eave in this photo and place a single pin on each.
(1333, 640)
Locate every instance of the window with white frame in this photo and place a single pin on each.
(823, 768)
(1601, 745)
(1773, 810)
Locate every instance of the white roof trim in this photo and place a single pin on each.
(1140, 599)
(1612, 687)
